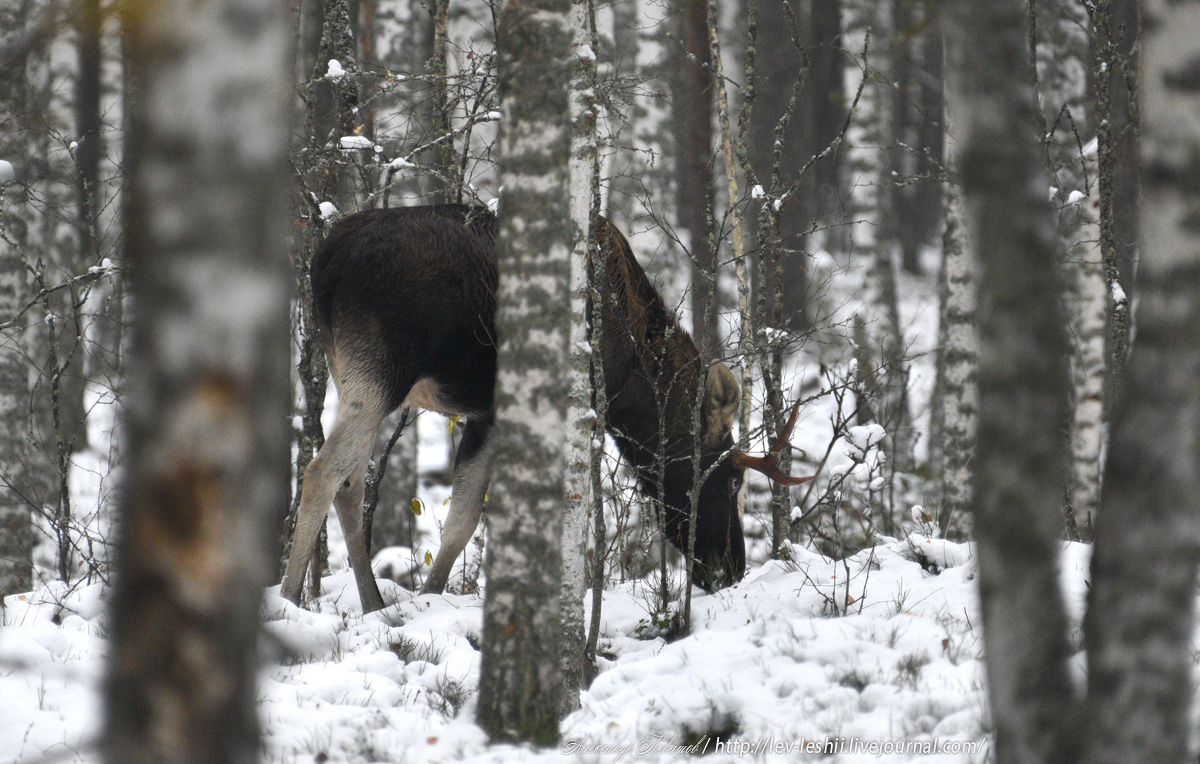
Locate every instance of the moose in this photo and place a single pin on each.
(405, 301)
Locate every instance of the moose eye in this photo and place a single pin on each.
(735, 484)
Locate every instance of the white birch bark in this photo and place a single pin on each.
(866, 165)
(520, 682)
(205, 482)
(16, 514)
(581, 419)
(644, 192)
(956, 399)
(1063, 53)
(1139, 624)
(16, 522)
(1088, 329)
(958, 351)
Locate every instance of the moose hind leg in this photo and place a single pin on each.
(472, 470)
(344, 455)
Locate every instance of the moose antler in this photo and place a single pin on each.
(766, 464)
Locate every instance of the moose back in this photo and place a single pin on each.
(405, 301)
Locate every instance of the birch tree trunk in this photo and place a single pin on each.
(827, 114)
(956, 400)
(1117, 24)
(443, 111)
(1139, 623)
(865, 28)
(776, 155)
(16, 520)
(916, 123)
(520, 681)
(1062, 55)
(581, 418)
(644, 193)
(1089, 368)
(1019, 468)
(207, 471)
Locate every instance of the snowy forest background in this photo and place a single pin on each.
(918, 220)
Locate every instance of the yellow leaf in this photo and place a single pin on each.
(445, 501)
(416, 507)
(453, 421)
(428, 558)
(486, 494)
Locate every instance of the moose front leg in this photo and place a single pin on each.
(472, 470)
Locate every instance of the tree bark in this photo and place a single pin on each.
(644, 182)
(1138, 628)
(866, 25)
(917, 123)
(1062, 54)
(584, 427)
(693, 105)
(776, 156)
(329, 114)
(1019, 465)
(956, 400)
(1117, 30)
(207, 470)
(392, 519)
(520, 682)
(16, 519)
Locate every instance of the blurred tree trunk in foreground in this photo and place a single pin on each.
(1138, 629)
(207, 470)
(1019, 461)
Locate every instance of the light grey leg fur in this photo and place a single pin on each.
(471, 475)
(343, 458)
(349, 503)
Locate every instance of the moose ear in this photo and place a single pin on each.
(721, 398)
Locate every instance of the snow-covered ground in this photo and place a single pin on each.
(769, 665)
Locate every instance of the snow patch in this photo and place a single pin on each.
(355, 142)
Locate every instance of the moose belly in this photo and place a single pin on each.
(428, 395)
